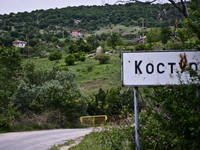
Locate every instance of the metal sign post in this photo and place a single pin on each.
(136, 110)
(198, 138)
(156, 68)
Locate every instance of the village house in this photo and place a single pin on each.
(76, 33)
(1, 20)
(20, 44)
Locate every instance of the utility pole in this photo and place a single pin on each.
(37, 18)
(142, 30)
(63, 34)
(23, 53)
(28, 49)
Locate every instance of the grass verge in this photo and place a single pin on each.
(57, 147)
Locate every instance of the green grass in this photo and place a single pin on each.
(100, 76)
(57, 147)
(89, 142)
(118, 28)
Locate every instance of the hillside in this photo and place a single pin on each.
(90, 74)
(44, 24)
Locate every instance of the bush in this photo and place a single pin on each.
(89, 68)
(102, 58)
(65, 68)
(77, 56)
(82, 58)
(55, 56)
(5, 123)
(81, 53)
(69, 59)
(73, 48)
(54, 39)
(141, 47)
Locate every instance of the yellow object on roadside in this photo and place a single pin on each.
(93, 120)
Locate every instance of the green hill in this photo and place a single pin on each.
(44, 24)
(90, 74)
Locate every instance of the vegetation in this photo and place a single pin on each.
(102, 58)
(70, 142)
(55, 56)
(55, 94)
(70, 59)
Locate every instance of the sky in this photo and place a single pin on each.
(8, 6)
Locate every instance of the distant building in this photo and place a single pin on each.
(76, 33)
(19, 43)
(1, 20)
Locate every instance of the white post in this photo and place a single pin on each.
(136, 109)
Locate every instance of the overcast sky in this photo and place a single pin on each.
(8, 6)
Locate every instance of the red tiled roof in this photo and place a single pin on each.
(76, 30)
(20, 42)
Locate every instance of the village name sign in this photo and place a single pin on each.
(155, 68)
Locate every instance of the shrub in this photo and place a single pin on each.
(89, 68)
(102, 58)
(82, 58)
(141, 47)
(73, 48)
(81, 53)
(55, 56)
(70, 59)
(65, 68)
(5, 123)
(77, 56)
(54, 39)
(85, 47)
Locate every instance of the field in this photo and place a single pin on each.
(90, 74)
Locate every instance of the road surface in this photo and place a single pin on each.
(39, 140)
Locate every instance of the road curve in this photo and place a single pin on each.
(39, 140)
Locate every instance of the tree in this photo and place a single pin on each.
(73, 48)
(111, 100)
(194, 22)
(165, 34)
(33, 42)
(85, 47)
(182, 8)
(22, 38)
(55, 56)
(10, 63)
(93, 41)
(113, 39)
(70, 59)
(152, 37)
(54, 39)
(103, 59)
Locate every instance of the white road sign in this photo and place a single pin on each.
(153, 68)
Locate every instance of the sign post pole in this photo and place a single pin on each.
(136, 109)
(197, 95)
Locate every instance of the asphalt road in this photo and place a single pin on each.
(39, 140)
